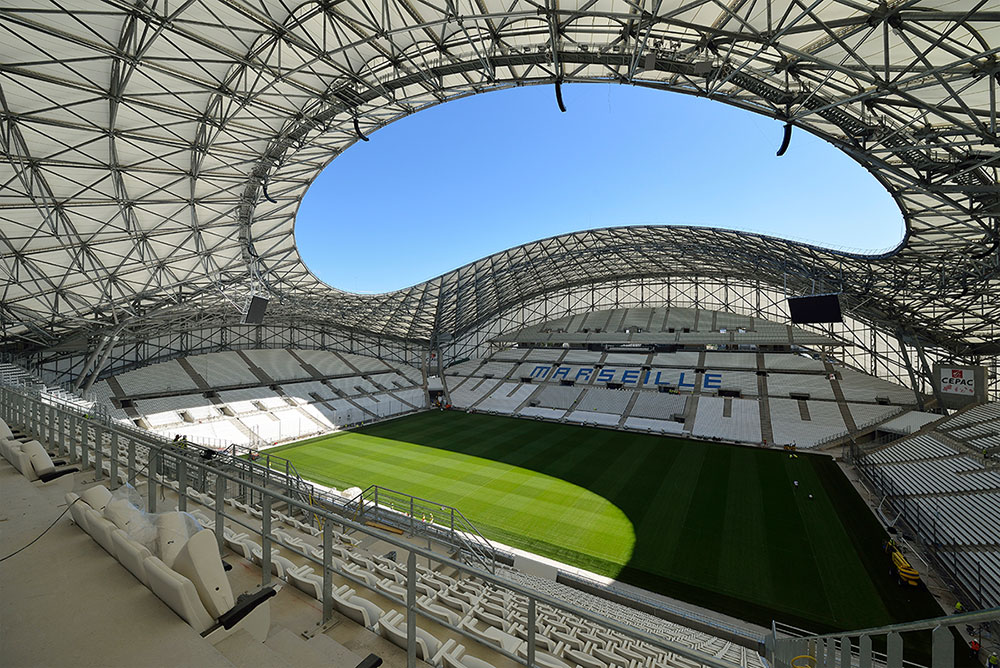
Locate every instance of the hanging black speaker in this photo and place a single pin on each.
(255, 312)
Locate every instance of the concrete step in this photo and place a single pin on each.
(296, 650)
(244, 652)
(333, 652)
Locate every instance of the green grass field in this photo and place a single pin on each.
(716, 525)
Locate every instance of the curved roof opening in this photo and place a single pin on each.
(481, 174)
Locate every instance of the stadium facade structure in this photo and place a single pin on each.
(156, 154)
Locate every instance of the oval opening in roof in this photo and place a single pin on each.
(475, 176)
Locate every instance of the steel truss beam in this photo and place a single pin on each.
(139, 137)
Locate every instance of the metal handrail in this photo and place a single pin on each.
(976, 617)
(463, 531)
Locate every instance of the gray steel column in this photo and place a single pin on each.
(182, 485)
(114, 459)
(85, 443)
(894, 650)
(131, 461)
(73, 424)
(154, 457)
(61, 434)
(98, 453)
(327, 570)
(47, 411)
(220, 518)
(87, 364)
(265, 541)
(531, 632)
(411, 614)
(942, 647)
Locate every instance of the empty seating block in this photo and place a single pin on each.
(604, 401)
(742, 425)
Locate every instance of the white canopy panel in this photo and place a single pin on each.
(155, 153)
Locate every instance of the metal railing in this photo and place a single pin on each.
(418, 516)
(167, 462)
(788, 647)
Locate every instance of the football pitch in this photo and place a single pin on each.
(716, 525)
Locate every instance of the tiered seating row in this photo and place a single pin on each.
(937, 476)
(658, 405)
(605, 401)
(862, 387)
(248, 414)
(788, 426)
(471, 391)
(919, 447)
(974, 518)
(982, 413)
(557, 396)
(507, 397)
(950, 501)
(743, 425)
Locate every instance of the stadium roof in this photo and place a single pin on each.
(156, 153)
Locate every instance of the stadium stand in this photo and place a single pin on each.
(506, 398)
(731, 360)
(830, 393)
(742, 424)
(786, 362)
(557, 396)
(605, 401)
(654, 426)
(185, 572)
(225, 369)
(279, 399)
(659, 405)
(949, 498)
(789, 426)
(786, 384)
(866, 414)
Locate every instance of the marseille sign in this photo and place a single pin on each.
(624, 376)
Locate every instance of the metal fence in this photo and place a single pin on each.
(788, 647)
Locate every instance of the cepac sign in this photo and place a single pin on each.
(958, 381)
(960, 385)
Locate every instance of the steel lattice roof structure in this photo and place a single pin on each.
(156, 152)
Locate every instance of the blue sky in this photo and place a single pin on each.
(465, 179)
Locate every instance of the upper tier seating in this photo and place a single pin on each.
(788, 426)
(557, 396)
(862, 387)
(743, 424)
(507, 397)
(731, 360)
(951, 502)
(605, 401)
(785, 361)
(783, 384)
(659, 405)
(157, 378)
(223, 369)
